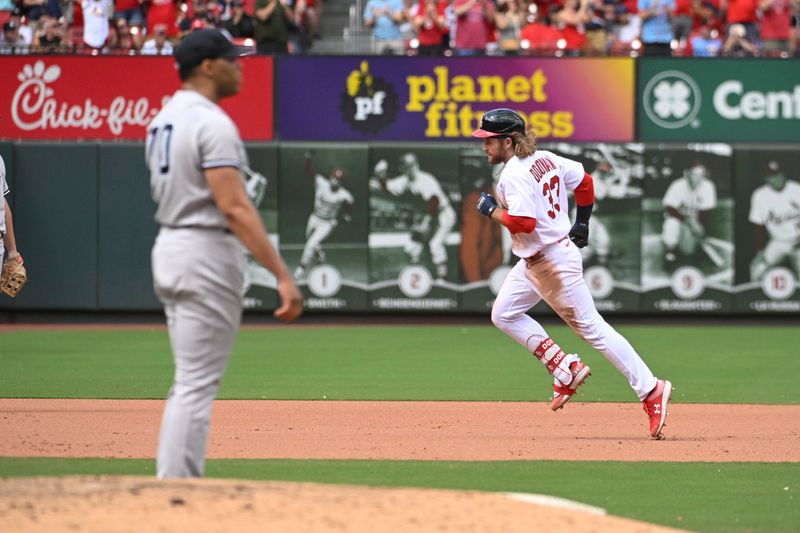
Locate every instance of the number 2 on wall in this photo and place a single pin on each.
(550, 191)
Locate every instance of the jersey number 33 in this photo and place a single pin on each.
(551, 190)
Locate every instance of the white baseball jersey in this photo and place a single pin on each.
(4, 191)
(207, 138)
(423, 185)
(779, 211)
(536, 187)
(687, 200)
(327, 202)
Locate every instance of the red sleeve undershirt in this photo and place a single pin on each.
(584, 193)
(516, 224)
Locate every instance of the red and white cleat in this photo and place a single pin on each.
(563, 393)
(655, 405)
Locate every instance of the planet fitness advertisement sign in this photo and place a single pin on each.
(440, 99)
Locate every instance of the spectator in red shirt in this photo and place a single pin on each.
(129, 10)
(707, 13)
(201, 17)
(427, 19)
(775, 26)
(571, 20)
(744, 12)
(474, 26)
(539, 36)
(163, 12)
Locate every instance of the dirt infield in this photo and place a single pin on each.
(354, 430)
(408, 430)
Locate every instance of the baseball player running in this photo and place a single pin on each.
(194, 154)
(775, 210)
(426, 187)
(330, 197)
(532, 203)
(687, 201)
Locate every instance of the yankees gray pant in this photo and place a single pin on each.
(198, 276)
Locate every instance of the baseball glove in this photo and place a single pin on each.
(14, 276)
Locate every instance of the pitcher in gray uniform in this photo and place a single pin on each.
(195, 157)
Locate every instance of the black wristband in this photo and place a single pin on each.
(583, 213)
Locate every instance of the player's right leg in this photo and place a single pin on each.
(509, 314)
(559, 279)
(203, 307)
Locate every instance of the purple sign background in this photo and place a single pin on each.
(376, 98)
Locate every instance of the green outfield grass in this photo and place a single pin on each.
(743, 364)
(722, 497)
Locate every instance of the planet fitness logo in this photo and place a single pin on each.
(369, 104)
(672, 100)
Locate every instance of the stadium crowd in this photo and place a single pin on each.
(701, 28)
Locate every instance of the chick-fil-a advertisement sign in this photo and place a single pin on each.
(58, 97)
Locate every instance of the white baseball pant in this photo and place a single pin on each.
(198, 276)
(555, 275)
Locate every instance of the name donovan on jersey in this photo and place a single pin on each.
(540, 167)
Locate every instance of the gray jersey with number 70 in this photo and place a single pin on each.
(190, 134)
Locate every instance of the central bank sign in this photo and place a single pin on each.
(723, 100)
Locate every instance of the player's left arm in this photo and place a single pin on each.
(584, 201)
